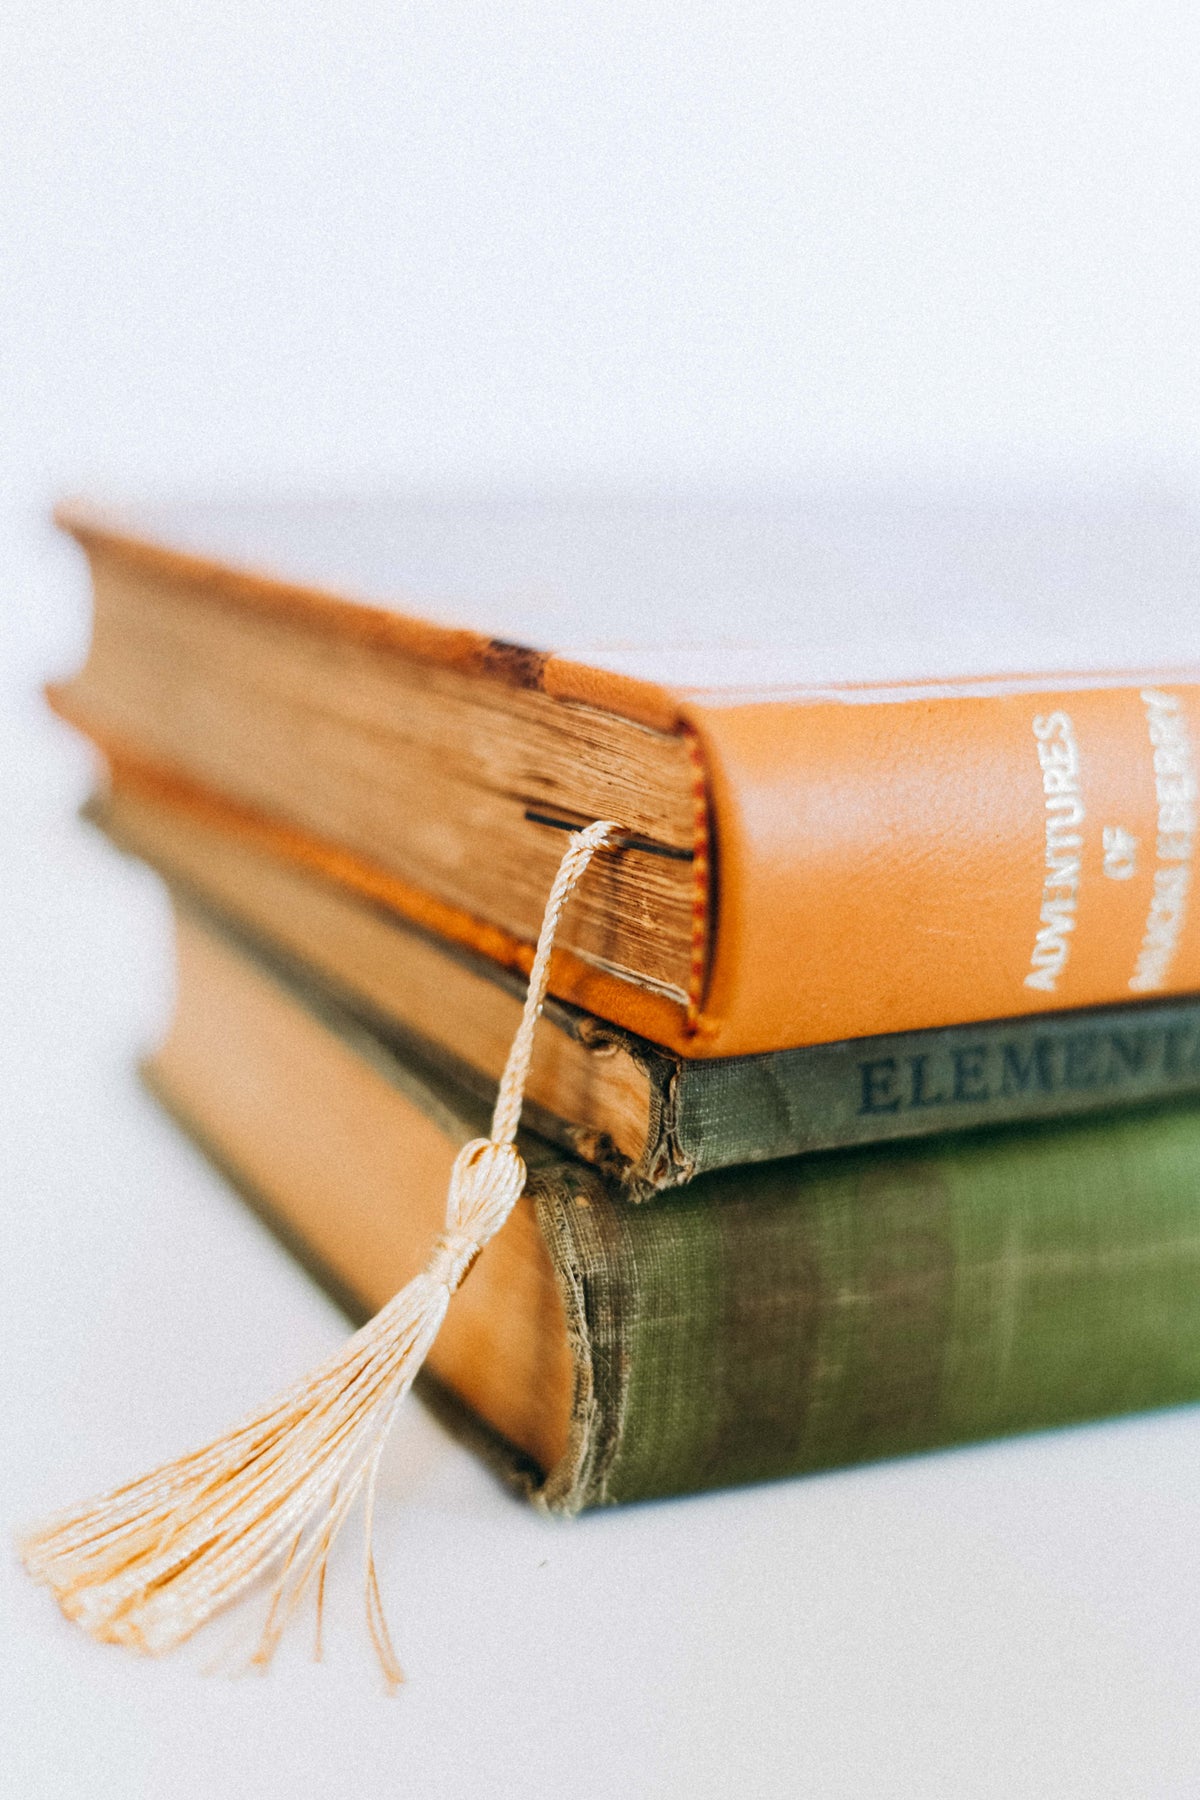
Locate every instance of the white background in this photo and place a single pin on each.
(275, 245)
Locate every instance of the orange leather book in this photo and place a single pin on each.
(846, 813)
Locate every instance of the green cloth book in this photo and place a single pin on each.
(762, 1322)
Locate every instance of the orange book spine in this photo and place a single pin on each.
(892, 862)
(884, 865)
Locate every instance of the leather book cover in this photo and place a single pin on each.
(894, 832)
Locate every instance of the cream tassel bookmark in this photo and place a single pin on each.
(149, 1563)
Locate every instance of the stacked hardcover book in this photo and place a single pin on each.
(864, 1114)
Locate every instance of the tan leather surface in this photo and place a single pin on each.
(881, 865)
(879, 856)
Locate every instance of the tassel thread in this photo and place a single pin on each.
(149, 1563)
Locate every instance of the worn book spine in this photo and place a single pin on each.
(909, 855)
(707, 1115)
(797, 1315)
(919, 1083)
(919, 857)
(832, 1310)
(699, 1114)
(906, 859)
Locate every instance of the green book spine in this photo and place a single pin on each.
(838, 1307)
(921, 1083)
(834, 1309)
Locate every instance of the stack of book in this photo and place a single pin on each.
(864, 1115)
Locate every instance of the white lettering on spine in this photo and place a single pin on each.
(1058, 754)
(1175, 790)
(1120, 853)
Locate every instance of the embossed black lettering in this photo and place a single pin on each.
(1130, 1053)
(878, 1086)
(1036, 1069)
(970, 1082)
(919, 1094)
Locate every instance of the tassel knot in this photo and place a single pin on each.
(450, 1259)
(147, 1564)
(486, 1182)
